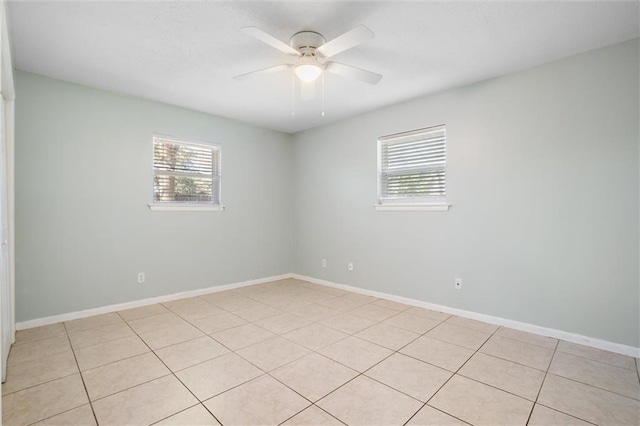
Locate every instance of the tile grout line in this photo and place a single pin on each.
(437, 366)
(80, 373)
(266, 304)
(39, 384)
(131, 387)
(595, 360)
(575, 381)
(566, 414)
(453, 375)
(505, 359)
(440, 322)
(539, 390)
(542, 385)
(393, 352)
(495, 334)
(59, 353)
(305, 409)
(528, 343)
(328, 413)
(268, 373)
(231, 351)
(49, 381)
(170, 373)
(25, 342)
(59, 414)
(150, 351)
(584, 383)
(317, 353)
(111, 362)
(264, 373)
(181, 411)
(402, 354)
(124, 359)
(595, 387)
(555, 350)
(36, 360)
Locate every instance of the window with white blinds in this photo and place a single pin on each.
(185, 173)
(413, 166)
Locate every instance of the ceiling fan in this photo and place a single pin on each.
(312, 51)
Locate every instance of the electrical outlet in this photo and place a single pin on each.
(324, 263)
(458, 284)
(350, 266)
(141, 277)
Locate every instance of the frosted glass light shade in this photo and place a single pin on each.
(308, 72)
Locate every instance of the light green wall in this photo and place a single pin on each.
(83, 182)
(542, 173)
(543, 179)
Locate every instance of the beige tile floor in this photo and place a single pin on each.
(295, 353)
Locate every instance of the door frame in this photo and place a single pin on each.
(7, 92)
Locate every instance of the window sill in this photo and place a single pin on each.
(434, 207)
(186, 207)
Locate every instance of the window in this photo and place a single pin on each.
(186, 175)
(413, 170)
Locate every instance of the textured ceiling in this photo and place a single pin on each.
(186, 53)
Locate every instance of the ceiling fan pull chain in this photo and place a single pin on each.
(293, 94)
(323, 94)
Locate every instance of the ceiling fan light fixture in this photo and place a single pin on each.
(308, 68)
(308, 71)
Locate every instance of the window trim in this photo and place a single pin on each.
(408, 203)
(174, 206)
(433, 207)
(186, 207)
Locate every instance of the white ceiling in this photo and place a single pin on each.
(185, 52)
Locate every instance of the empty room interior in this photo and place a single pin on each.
(320, 213)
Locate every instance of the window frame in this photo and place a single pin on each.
(188, 206)
(427, 203)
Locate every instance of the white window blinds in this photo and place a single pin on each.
(185, 172)
(412, 166)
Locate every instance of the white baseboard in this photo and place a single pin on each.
(531, 328)
(143, 302)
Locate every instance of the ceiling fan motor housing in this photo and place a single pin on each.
(307, 41)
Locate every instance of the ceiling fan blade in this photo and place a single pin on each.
(269, 70)
(346, 41)
(353, 72)
(270, 40)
